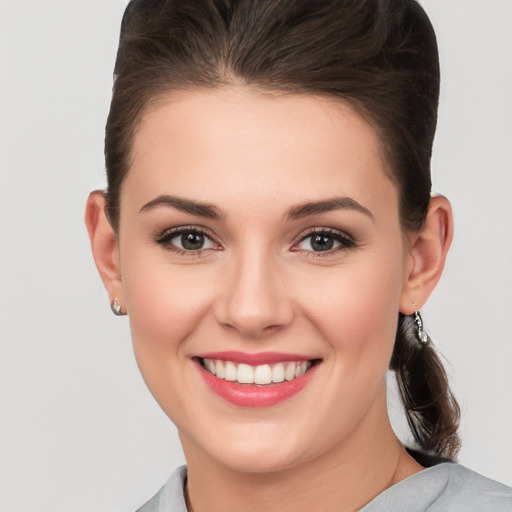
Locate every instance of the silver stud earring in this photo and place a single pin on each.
(116, 308)
(421, 335)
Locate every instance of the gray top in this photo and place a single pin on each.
(446, 487)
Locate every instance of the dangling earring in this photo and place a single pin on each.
(421, 335)
(116, 308)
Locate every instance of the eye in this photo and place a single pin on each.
(324, 240)
(186, 240)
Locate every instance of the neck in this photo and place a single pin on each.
(345, 479)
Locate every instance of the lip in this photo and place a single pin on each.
(254, 395)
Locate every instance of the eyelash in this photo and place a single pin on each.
(346, 242)
(164, 239)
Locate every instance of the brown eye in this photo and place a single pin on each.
(192, 241)
(186, 240)
(324, 241)
(321, 242)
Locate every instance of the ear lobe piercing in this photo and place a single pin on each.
(116, 308)
(421, 335)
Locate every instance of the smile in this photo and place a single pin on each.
(262, 374)
(256, 380)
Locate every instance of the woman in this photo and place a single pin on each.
(269, 229)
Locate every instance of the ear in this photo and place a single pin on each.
(426, 255)
(104, 245)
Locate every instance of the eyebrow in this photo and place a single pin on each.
(184, 205)
(326, 205)
(296, 212)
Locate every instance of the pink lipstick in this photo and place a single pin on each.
(255, 380)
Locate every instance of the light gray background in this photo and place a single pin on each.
(79, 430)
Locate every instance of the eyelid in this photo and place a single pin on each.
(346, 240)
(163, 238)
(166, 233)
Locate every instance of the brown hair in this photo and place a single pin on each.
(380, 56)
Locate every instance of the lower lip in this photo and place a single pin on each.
(247, 395)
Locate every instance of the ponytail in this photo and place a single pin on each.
(431, 409)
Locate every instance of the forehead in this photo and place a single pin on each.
(235, 140)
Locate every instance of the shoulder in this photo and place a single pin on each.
(448, 488)
(463, 478)
(467, 490)
(171, 496)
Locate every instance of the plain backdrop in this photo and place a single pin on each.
(79, 430)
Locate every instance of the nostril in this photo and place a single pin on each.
(252, 330)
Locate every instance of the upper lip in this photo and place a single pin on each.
(255, 358)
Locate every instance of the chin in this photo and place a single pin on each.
(260, 460)
(262, 449)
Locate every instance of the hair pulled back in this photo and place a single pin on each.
(379, 56)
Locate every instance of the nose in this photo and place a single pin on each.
(253, 299)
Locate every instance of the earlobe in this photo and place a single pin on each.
(104, 244)
(427, 255)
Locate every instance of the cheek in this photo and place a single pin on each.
(356, 314)
(356, 309)
(165, 305)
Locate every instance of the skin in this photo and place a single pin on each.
(258, 285)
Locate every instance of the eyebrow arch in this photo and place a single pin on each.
(326, 205)
(185, 205)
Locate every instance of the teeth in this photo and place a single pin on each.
(219, 369)
(245, 374)
(278, 373)
(301, 369)
(261, 375)
(230, 371)
(289, 373)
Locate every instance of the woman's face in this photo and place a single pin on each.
(260, 237)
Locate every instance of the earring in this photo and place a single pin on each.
(116, 308)
(421, 335)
